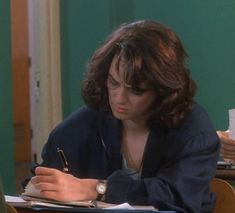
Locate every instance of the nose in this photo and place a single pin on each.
(121, 95)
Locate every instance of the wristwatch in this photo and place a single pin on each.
(101, 189)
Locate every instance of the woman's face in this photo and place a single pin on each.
(126, 103)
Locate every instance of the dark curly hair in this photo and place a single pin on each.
(152, 53)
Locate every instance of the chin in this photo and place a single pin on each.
(120, 116)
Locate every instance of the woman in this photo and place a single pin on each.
(140, 138)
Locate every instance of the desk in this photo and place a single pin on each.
(26, 210)
(226, 174)
(87, 210)
(23, 210)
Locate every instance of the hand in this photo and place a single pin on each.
(57, 185)
(227, 150)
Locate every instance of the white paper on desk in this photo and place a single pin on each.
(14, 199)
(232, 123)
(131, 207)
(31, 190)
(31, 194)
(121, 206)
(19, 202)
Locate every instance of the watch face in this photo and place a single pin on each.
(101, 188)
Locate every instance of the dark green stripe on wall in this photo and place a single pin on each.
(84, 24)
(6, 127)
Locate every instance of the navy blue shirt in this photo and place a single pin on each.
(178, 163)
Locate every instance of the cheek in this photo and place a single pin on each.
(111, 94)
(138, 104)
(148, 98)
(146, 101)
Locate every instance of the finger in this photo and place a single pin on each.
(224, 138)
(228, 155)
(43, 178)
(45, 171)
(228, 148)
(45, 187)
(229, 158)
(223, 134)
(227, 141)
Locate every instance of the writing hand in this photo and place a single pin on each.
(57, 185)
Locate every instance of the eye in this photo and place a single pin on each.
(138, 92)
(112, 83)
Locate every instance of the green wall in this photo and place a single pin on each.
(6, 127)
(206, 28)
(84, 26)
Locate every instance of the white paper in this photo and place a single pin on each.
(131, 207)
(232, 123)
(14, 199)
(17, 201)
(31, 190)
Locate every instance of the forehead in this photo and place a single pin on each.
(123, 68)
(123, 72)
(116, 66)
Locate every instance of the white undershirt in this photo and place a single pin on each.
(130, 172)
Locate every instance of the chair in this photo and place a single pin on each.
(10, 208)
(225, 201)
(5, 207)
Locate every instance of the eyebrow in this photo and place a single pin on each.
(127, 85)
(110, 76)
(113, 79)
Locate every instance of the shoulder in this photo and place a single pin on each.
(198, 131)
(195, 133)
(84, 113)
(197, 120)
(83, 119)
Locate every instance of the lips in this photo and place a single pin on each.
(120, 109)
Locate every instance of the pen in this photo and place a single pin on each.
(63, 160)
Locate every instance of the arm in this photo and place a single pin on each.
(57, 185)
(182, 184)
(227, 146)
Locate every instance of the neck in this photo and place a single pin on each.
(134, 139)
(131, 126)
